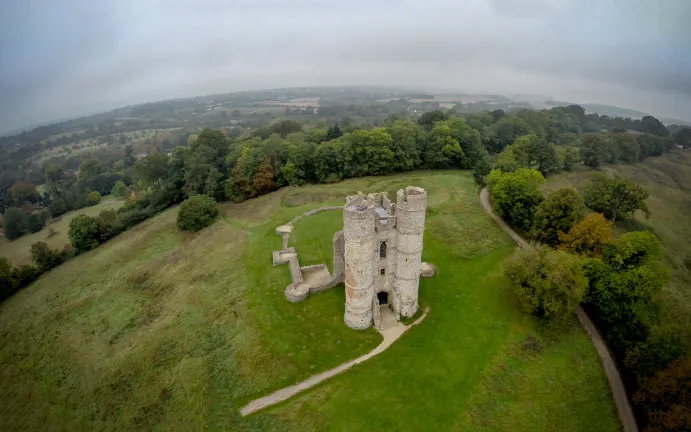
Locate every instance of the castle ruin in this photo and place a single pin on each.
(377, 256)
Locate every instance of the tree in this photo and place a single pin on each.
(548, 283)
(588, 237)
(119, 189)
(627, 147)
(531, 151)
(129, 159)
(571, 158)
(594, 150)
(651, 125)
(682, 138)
(197, 213)
(8, 284)
(634, 249)
(516, 195)
(22, 192)
(84, 232)
(334, 132)
(90, 168)
(264, 178)
(56, 181)
(560, 211)
(428, 119)
(615, 196)
(151, 168)
(34, 223)
(93, 198)
(666, 398)
(15, 221)
(44, 257)
(481, 170)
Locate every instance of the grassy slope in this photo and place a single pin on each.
(18, 251)
(668, 178)
(162, 330)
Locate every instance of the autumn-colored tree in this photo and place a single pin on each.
(588, 237)
(666, 398)
(264, 178)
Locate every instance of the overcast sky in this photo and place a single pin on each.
(61, 58)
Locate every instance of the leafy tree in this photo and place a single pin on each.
(428, 119)
(615, 196)
(560, 211)
(129, 159)
(634, 249)
(664, 344)
(197, 212)
(531, 151)
(516, 195)
(8, 284)
(15, 223)
(334, 132)
(25, 274)
(93, 198)
(285, 127)
(406, 140)
(594, 150)
(119, 190)
(84, 232)
(44, 257)
(23, 193)
(90, 168)
(151, 168)
(627, 147)
(682, 138)
(548, 283)
(205, 166)
(481, 170)
(666, 398)
(56, 181)
(651, 125)
(588, 237)
(264, 178)
(571, 159)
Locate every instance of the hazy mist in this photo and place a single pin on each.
(73, 57)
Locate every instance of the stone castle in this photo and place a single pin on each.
(377, 255)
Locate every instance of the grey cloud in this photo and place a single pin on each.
(103, 55)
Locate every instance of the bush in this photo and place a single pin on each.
(120, 189)
(197, 212)
(25, 274)
(108, 216)
(548, 283)
(84, 233)
(15, 223)
(34, 223)
(44, 257)
(59, 207)
(93, 198)
(516, 195)
(8, 284)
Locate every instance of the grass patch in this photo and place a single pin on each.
(163, 330)
(55, 234)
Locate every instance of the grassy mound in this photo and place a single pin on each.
(163, 330)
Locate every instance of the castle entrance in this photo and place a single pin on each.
(383, 298)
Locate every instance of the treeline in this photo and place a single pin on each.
(618, 282)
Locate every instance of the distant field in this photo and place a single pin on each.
(162, 330)
(668, 178)
(17, 251)
(63, 134)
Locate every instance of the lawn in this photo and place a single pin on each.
(55, 234)
(161, 330)
(668, 179)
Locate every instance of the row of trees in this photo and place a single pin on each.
(577, 261)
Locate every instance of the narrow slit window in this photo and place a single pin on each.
(382, 250)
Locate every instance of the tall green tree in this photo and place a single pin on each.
(560, 211)
(594, 150)
(616, 196)
(516, 195)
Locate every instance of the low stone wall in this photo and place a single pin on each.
(313, 212)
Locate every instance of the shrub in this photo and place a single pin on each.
(561, 210)
(84, 232)
(8, 284)
(34, 223)
(25, 274)
(197, 212)
(44, 257)
(93, 198)
(666, 398)
(108, 216)
(119, 189)
(59, 207)
(548, 283)
(15, 223)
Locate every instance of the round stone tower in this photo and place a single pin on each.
(359, 235)
(411, 204)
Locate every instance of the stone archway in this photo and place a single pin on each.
(383, 298)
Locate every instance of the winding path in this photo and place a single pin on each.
(628, 420)
(390, 336)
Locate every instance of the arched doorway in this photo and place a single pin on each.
(383, 298)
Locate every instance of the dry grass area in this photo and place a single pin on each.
(54, 233)
(668, 179)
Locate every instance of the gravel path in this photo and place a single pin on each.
(390, 336)
(628, 420)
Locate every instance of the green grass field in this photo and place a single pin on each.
(54, 233)
(668, 179)
(163, 330)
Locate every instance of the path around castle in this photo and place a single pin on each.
(626, 416)
(390, 336)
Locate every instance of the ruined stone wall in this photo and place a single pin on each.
(339, 256)
(411, 204)
(359, 235)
